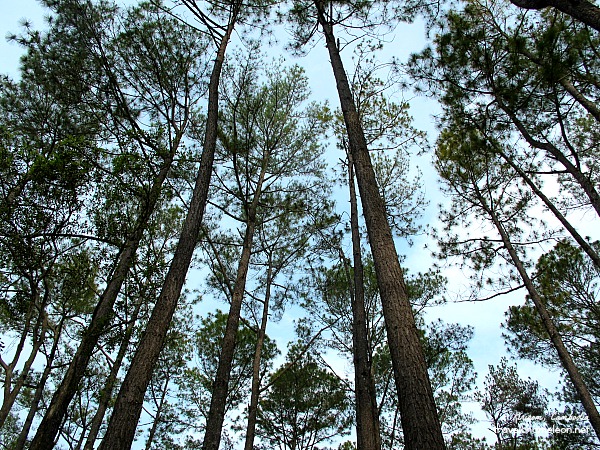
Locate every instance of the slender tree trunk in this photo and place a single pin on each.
(422, 429)
(394, 427)
(565, 80)
(39, 332)
(589, 105)
(367, 416)
(260, 339)
(37, 397)
(101, 318)
(555, 337)
(128, 406)
(15, 191)
(216, 413)
(80, 440)
(585, 246)
(111, 381)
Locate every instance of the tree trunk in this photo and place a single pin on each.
(111, 381)
(156, 421)
(216, 413)
(128, 406)
(103, 312)
(422, 429)
(565, 80)
(573, 169)
(260, 339)
(39, 332)
(367, 416)
(555, 337)
(37, 397)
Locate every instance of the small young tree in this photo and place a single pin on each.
(513, 405)
(304, 406)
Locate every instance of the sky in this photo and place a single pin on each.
(13, 14)
(487, 346)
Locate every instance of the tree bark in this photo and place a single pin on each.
(367, 416)
(582, 10)
(420, 422)
(555, 337)
(128, 406)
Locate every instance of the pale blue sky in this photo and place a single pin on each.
(13, 14)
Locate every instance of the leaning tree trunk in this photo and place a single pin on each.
(39, 390)
(420, 422)
(566, 81)
(367, 417)
(555, 337)
(39, 333)
(157, 416)
(586, 183)
(128, 406)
